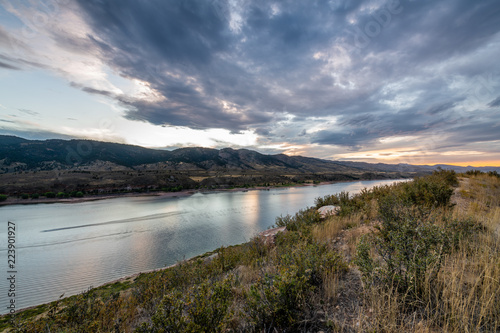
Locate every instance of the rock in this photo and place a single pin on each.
(211, 257)
(269, 236)
(328, 211)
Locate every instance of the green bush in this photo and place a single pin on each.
(302, 218)
(25, 196)
(60, 195)
(35, 196)
(473, 172)
(431, 191)
(460, 230)
(410, 247)
(201, 308)
(494, 174)
(277, 301)
(3, 197)
(50, 195)
(170, 315)
(448, 176)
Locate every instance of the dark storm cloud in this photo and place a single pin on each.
(395, 68)
(366, 129)
(93, 90)
(480, 132)
(7, 66)
(435, 109)
(495, 102)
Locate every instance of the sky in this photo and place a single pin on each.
(391, 81)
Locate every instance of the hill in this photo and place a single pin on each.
(17, 154)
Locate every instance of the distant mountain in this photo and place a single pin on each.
(18, 154)
(462, 169)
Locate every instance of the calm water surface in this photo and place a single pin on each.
(66, 248)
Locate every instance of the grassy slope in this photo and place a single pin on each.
(409, 257)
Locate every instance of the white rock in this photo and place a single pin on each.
(328, 211)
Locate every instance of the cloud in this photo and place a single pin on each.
(33, 134)
(94, 91)
(495, 102)
(7, 66)
(29, 112)
(345, 75)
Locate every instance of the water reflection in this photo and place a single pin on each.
(66, 248)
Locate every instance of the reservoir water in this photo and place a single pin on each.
(67, 248)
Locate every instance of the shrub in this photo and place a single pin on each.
(302, 218)
(448, 176)
(169, 316)
(410, 247)
(459, 230)
(60, 195)
(35, 196)
(3, 197)
(25, 196)
(473, 172)
(430, 191)
(277, 300)
(494, 174)
(50, 195)
(202, 308)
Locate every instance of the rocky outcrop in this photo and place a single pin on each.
(326, 211)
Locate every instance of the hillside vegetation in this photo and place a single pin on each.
(420, 256)
(30, 168)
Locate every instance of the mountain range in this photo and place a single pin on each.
(18, 154)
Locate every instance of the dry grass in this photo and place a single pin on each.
(331, 285)
(334, 226)
(466, 295)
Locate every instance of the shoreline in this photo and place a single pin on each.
(121, 279)
(183, 193)
(19, 201)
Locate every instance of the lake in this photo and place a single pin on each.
(66, 248)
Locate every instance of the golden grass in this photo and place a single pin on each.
(466, 295)
(333, 227)
(331, 285)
